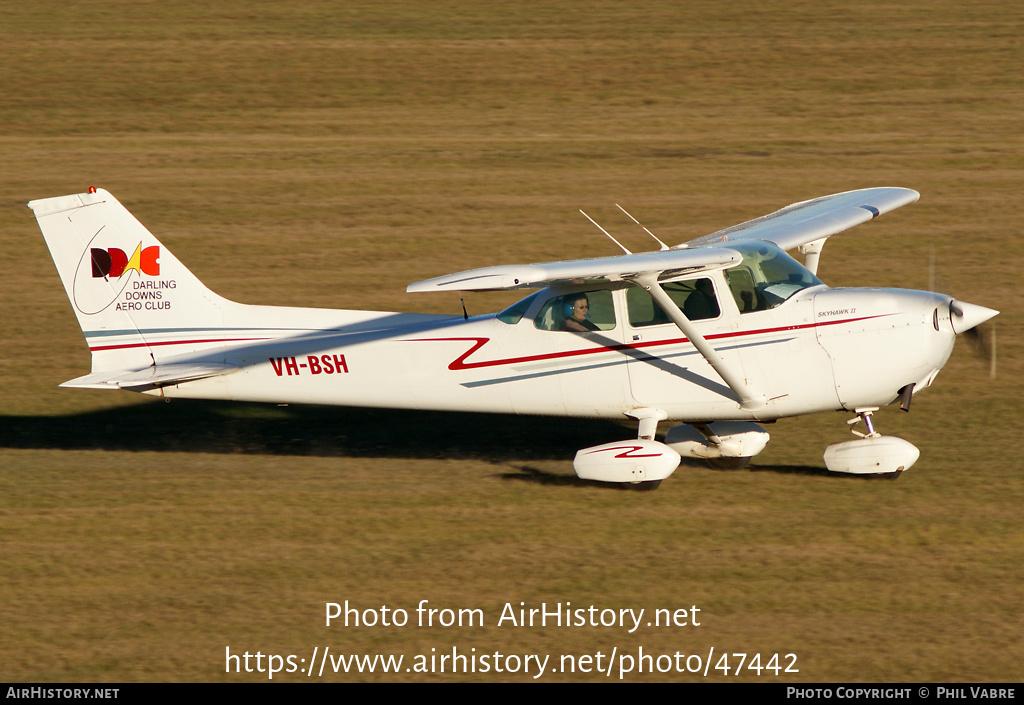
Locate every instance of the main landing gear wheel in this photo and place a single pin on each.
(728, 463)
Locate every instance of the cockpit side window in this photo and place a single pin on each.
(696, 298)
(741, 284)
(581, 312)
(766, 277)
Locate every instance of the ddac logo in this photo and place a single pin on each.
(104, 273)
(114, 262)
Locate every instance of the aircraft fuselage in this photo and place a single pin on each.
(823, 349)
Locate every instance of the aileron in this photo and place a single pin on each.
(804, 222)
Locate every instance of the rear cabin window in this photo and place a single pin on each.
(696, 298)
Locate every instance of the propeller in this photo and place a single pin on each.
(967, 320)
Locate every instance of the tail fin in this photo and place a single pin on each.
(134, 300)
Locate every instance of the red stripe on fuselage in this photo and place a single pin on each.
(460, 362)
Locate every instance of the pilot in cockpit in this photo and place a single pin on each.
(577, 312)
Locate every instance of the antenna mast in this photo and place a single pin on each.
(605, 232)
(663, 245)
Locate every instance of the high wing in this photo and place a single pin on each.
(795, 225)
(665, 264)
(802, 223)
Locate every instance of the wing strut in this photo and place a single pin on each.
(750, 398)
(811, 252)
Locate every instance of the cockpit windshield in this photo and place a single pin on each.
(766, 277)
(513, 313)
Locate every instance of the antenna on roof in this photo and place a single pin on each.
(605, 232)
(663, 245)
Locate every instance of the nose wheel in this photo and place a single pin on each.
(872, 453)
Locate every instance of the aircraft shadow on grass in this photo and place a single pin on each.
(259, 429)
(262, 429)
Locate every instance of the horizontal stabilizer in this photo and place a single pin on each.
(666, 264)
(155, 376)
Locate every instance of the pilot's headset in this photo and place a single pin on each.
(567, 305)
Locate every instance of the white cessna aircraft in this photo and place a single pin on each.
(717, 333)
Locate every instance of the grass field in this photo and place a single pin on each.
(317, 155)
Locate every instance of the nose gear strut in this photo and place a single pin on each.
(865, 416)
